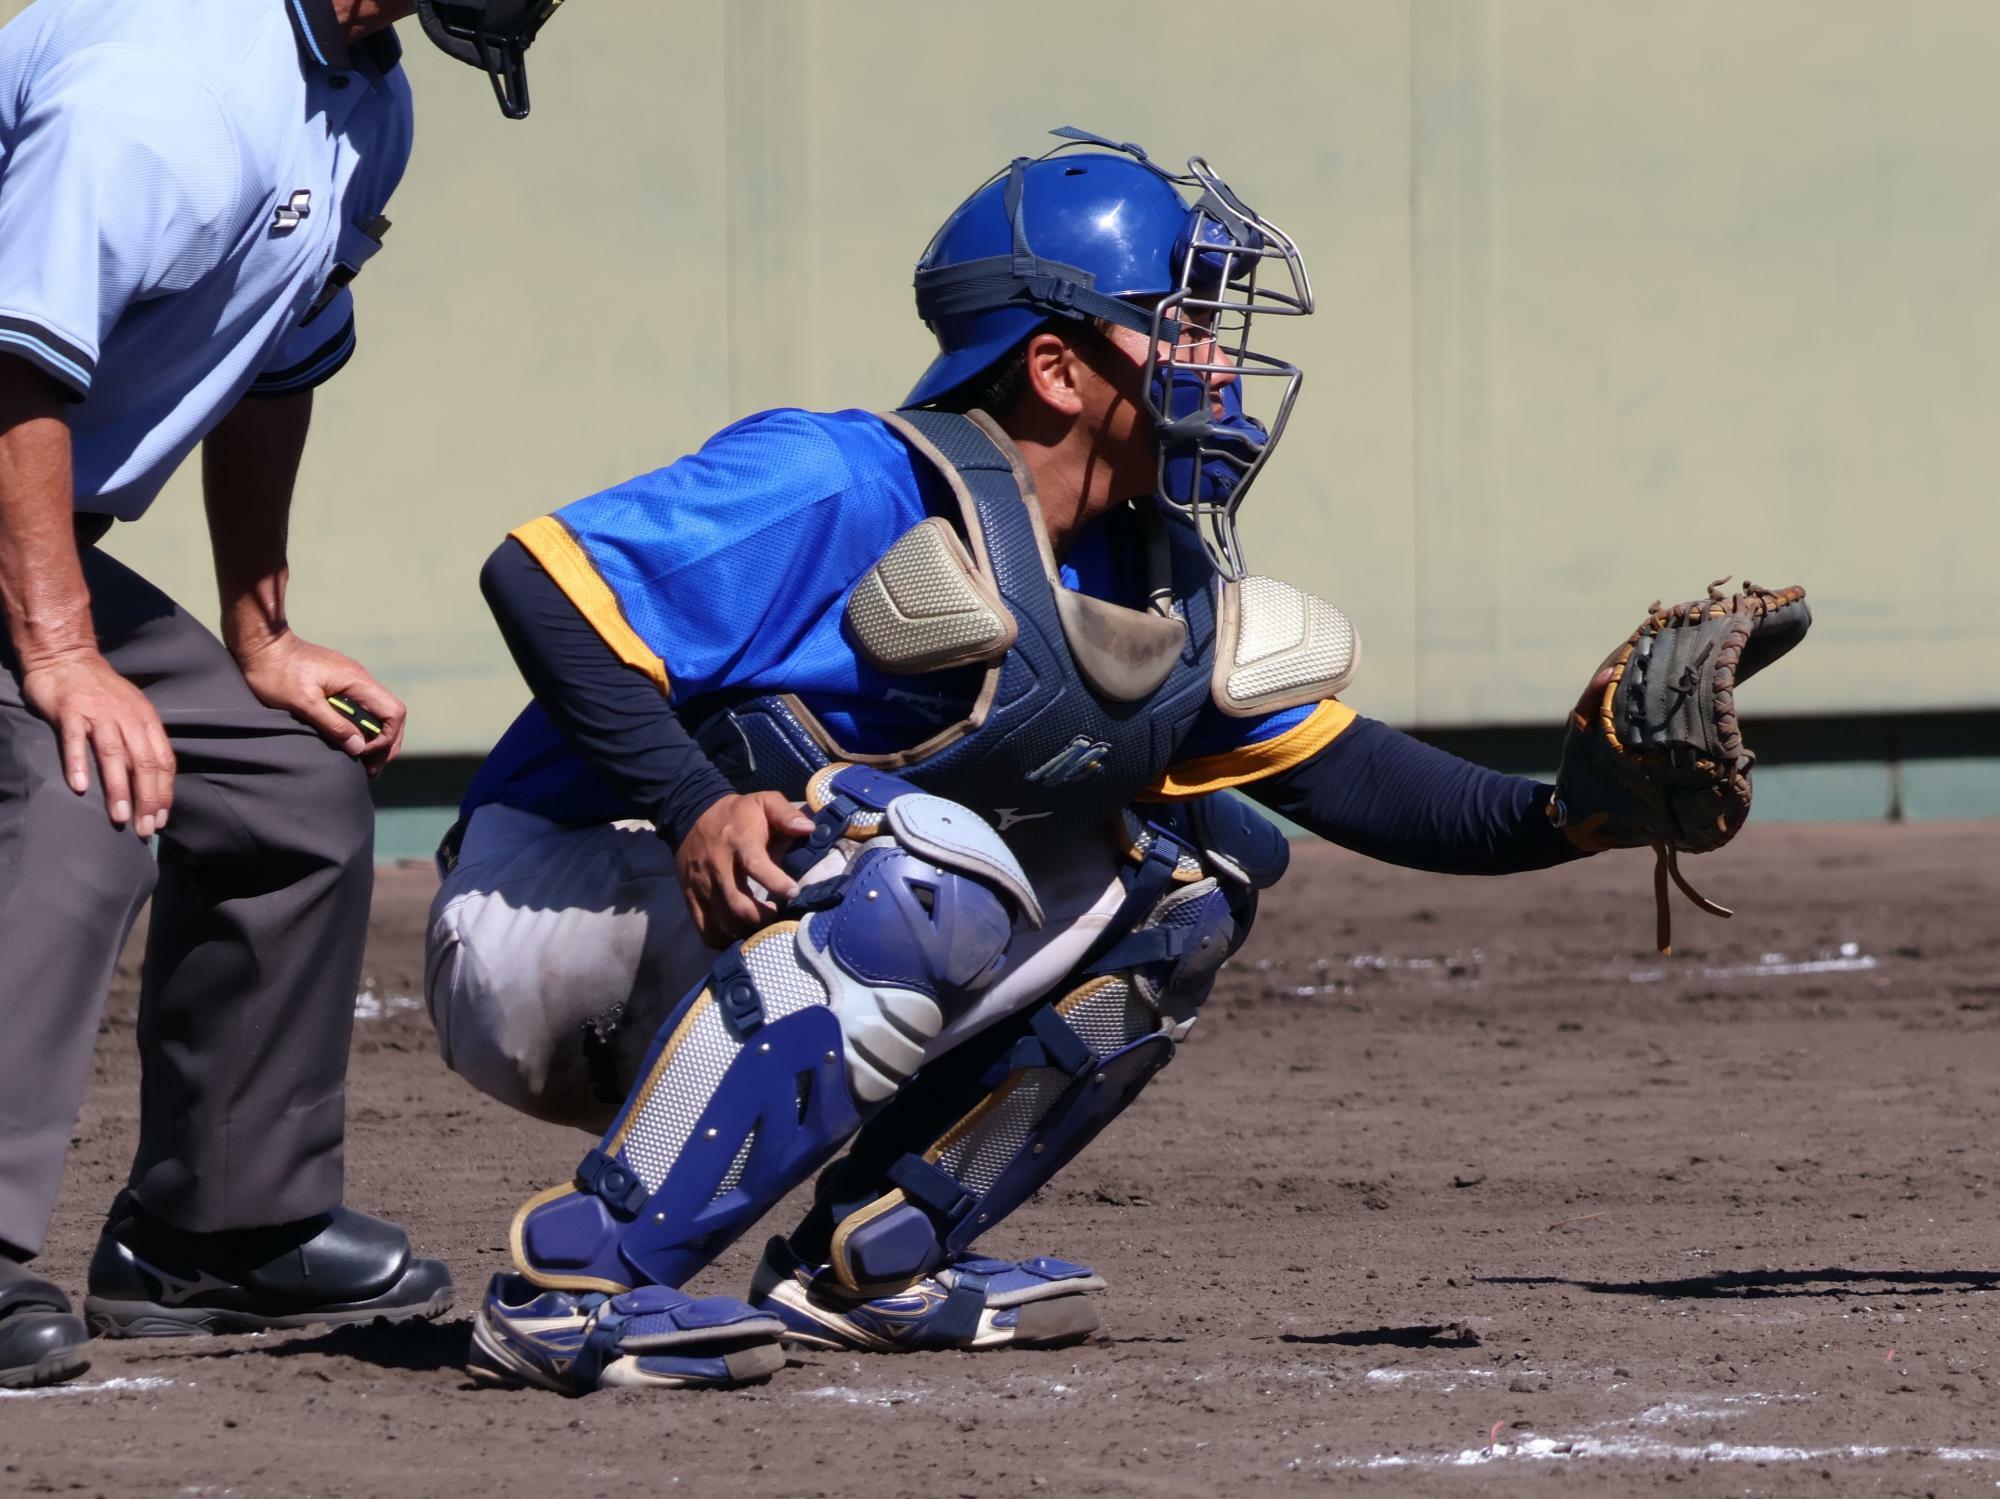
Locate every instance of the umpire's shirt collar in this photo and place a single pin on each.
(322, 41)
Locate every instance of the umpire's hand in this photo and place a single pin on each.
(286, 672)
(735, 842)
(97, 713)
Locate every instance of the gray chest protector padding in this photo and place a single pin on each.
(926, 606)
(1277, 648)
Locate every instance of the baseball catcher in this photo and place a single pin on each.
(920, 717)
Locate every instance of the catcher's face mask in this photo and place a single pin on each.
(1219, 403)
(1109, 234)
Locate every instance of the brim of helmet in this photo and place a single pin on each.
(950, 370)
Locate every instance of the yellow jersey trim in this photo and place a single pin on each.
(1253, 762)
(549, 542)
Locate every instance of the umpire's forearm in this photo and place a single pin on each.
(1381, 793)
(42, 590)
(615, 717)
(249, 468)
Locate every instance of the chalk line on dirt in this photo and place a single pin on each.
(368, 1005)
(1602, 1440)
(122, 1384)
(1448, 1379)
(1776, 965)
(862, 1397)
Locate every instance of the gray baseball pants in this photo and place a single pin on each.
(260, 907)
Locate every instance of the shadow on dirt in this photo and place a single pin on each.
(1432, 1335)
(420, 1347)
(1748, 1285)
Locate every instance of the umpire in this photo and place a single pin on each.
(186, 192)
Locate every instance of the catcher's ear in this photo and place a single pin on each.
(1782, 625)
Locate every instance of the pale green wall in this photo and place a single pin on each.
(1614, 298)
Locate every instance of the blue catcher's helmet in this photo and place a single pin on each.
(1075, 231)
(1107, 234)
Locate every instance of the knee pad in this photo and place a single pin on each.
(797, 1033)
(940, 1174)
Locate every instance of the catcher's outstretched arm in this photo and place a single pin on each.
(1381, 793)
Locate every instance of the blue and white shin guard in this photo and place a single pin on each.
(884, 1260)
(798, 1033)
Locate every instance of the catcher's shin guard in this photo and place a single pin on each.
(929, 1175)
(799, 1031)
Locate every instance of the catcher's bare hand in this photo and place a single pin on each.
(734, 845)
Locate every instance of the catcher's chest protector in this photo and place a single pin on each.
(1083, 704)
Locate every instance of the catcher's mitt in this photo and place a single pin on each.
(1654, 755)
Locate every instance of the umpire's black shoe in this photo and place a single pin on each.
(148, 1280)
(41, 1339)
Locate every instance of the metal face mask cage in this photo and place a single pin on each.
(1211, 280)
(491, 35)
(1235, 265)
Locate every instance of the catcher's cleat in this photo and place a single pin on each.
(651, 1338)
(970, 1303)
(148, 1280)
(42, 1341)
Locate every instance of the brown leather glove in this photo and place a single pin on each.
(1654, 756)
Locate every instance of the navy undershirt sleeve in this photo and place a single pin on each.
(1381, 793)
(616, 719)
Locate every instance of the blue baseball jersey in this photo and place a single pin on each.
(730, 570)
(185, 192)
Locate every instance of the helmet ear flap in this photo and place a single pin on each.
(452, 42)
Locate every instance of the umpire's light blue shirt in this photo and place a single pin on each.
(185, 191)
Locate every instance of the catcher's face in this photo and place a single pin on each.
(1117, 369)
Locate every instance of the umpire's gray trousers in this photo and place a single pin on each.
(260, 907)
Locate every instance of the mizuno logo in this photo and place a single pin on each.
(1011, 815)
(1075, 760)
(173, 1289)
(288, 215)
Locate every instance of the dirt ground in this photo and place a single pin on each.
(1456, 1189)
